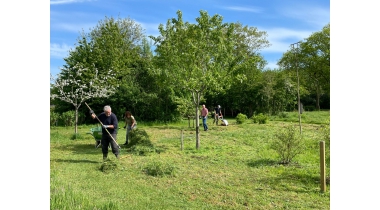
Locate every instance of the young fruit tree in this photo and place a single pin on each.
(203, 57)
(70, 86)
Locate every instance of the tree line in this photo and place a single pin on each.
(167, 77)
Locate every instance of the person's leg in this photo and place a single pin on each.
(127, 135)
(217, 119)
(206, 123)
(114, 147)
(105, 143)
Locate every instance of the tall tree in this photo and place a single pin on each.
(116, 44)
(312, 59)
(202, 57)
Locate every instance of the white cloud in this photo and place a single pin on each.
(76, 28)
(281, 38)
(243, 9)
(59, 51)
(66, 1)
(314, 15)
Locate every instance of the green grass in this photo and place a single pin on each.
(233, 169)
(315, 117)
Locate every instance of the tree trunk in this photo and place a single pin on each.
(76, 120)
(196, 100)
(318, 96)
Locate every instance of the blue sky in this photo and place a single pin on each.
(286, 22)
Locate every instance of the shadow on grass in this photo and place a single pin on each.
(288, 176)
(80, 148)
(262, 162)
(287, 180)
(74, 161)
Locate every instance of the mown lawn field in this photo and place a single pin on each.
(234, 168)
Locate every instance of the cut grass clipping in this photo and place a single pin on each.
(109, 166)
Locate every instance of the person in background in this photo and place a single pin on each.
(218, 114)
(130, 124)
(109, 121)
(204, 113)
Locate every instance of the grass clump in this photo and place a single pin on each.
(140, 142)
(108, 166)
(159, 168)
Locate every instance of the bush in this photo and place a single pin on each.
(68, 118)
(54, 117)
(288, 143)
(241, 118)
(260, 118)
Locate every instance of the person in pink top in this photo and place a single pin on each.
(204, 113)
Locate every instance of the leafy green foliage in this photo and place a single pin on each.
(241, 118)
(260, 118)
(311, 61)
(199, 58)
(68, 118)
(287, 143)
(54, 117)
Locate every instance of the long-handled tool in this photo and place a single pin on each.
(103, 126)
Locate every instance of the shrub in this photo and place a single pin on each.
(241, 118)
(260, 118)
(54, 117)
(287, 143)
(68, 118)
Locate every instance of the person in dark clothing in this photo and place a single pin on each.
(110, 122)
(218, 114)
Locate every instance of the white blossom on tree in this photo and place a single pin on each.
(72, 87)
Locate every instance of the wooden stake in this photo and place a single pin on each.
(322, 165)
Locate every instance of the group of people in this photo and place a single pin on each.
(109, 129)
(110, 126)
(217, 116)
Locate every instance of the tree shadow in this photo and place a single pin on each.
(287, 179)
(262, 162)
(289, 176)
(74, 161)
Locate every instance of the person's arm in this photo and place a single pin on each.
(114, 122)
(125, 121)
(92, 113)
(133, 121)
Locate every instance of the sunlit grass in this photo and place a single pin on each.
(233, 169)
